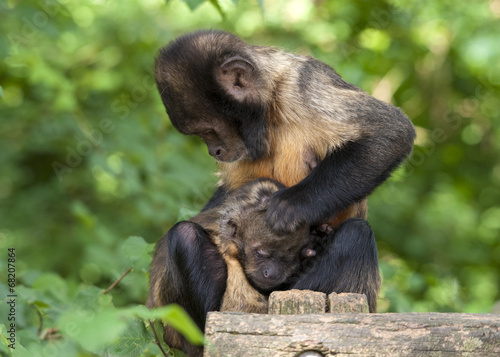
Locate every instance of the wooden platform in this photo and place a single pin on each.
(347, 333)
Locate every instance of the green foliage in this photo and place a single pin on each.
(58, 317)
(89, 158)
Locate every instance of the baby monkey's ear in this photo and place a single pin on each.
(232, 228)
(229, 216)
(236, 214)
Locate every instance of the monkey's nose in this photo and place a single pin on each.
(271, 273)
(216, 152)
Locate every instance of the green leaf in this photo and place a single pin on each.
(87, 299)
(193, 4)
(4, 342)
(178, 318)
(135, 247)
(158, 327)
(93, 330)
(132, 342)
(51, 284)
(218, 7)
(138, 251)
(175, 316)
(83, 214)
(31, 296)
(20, 351)
(186, 213)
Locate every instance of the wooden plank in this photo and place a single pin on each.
(297, 302)
(408, 334)
(347, 302)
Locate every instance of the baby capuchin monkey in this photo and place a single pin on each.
(258, 259)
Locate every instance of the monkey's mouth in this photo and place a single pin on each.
(234, 158)
(237, 155)
(266, 284)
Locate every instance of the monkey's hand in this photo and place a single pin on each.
(321, 230)
(287, 211)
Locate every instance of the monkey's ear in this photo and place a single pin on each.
(238, 76)
(227, 224)
(232, 228)
(263, 202)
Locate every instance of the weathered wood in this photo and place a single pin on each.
(313, 302)
(412, 334)
(296, 302)
(347, 303)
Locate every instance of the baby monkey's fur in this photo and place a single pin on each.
(258, 259)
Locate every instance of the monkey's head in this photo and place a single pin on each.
(268, 258)
(212, 88)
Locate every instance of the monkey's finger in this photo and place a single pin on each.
(308, 253)
(280, 213)
(325, 228)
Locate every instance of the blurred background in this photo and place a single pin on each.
(92, 173)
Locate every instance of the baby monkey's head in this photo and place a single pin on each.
(268, 258)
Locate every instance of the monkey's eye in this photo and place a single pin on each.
(261, 253)
(204, 132)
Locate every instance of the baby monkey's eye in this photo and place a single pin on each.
(261, 253)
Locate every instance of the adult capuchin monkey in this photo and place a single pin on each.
(264, 112)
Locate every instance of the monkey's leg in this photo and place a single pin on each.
(187, 269)
(347, 263)
(202, 270)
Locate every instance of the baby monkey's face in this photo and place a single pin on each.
(268, 258)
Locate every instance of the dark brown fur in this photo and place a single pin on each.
(256, 256)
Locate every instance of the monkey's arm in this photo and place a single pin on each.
(346, 175)
(347, 262)
(239, 294)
